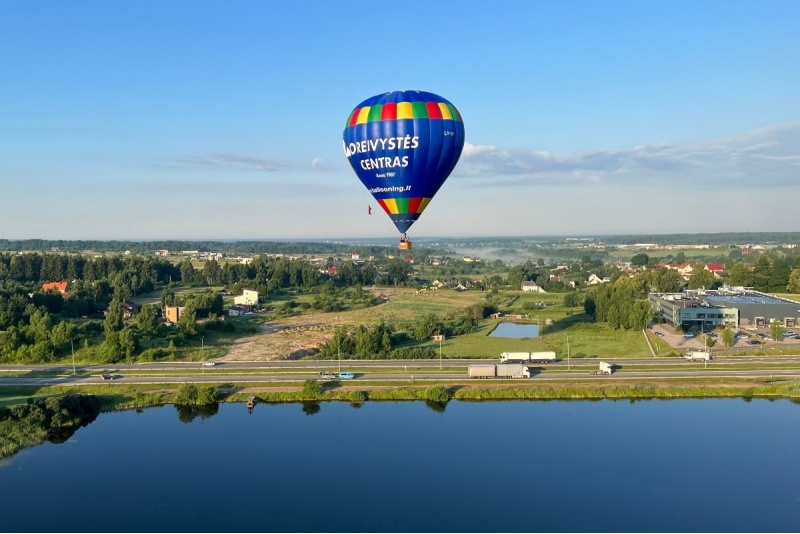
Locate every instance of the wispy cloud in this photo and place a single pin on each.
(235, 161)
(763, 158)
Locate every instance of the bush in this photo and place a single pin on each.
(357, 397)
(311, 389)
(191, 395)
(437, 394)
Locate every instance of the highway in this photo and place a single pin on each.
(423, 371)
(378, 364)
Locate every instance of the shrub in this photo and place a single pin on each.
(437, 394)
(311, 389)
(357, 397)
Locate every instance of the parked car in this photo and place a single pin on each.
(754, 342)
(659, 334)
(688, 336)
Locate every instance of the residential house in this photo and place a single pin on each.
(173, 313)
(532, 287)
(249, 297)
(594, 280)
(128, 309)
(61, 287)
(717, 268)
(237, 309)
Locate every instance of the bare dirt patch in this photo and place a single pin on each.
(292, 338)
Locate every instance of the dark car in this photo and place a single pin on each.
(107, 377)
(754, 342)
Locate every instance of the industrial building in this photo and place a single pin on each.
(731, 306)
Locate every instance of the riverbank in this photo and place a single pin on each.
(136, 396)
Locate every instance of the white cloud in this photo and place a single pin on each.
(762, 158)
(235, 161)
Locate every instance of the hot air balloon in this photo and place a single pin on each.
(403, 145)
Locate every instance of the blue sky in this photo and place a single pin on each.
(223, 120)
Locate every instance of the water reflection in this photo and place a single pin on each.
(436, 406)
(311, 407)
(187, 414)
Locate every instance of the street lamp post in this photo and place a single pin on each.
(440, 351)
(72, 345)
(567, 351)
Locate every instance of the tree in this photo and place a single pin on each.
(128, 343)
(572, 299)
(187, 272)
(762, 272)
(740, 275)
(147, 320)
(701, 277)
(188, 321)
(727, 337)
(398, 272)
(311, 390)
(113, 320)
(776, 329)
(779, 277)
(640, 259)
(794, 282)
(516, 276)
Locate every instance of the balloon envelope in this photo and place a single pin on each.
(402, 146)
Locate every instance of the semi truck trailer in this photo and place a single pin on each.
(528, 357)
(507, 370)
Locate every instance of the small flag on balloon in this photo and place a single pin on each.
(369, 210)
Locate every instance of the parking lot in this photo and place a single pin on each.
(750, 339)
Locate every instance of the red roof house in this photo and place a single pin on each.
(61, 287)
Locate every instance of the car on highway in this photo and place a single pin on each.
(346, 376)
(107, 377)
(209, 364)
(327, 375)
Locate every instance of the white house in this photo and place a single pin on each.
(249, 297)
(594, 280)
(532, 287)
(237, 310)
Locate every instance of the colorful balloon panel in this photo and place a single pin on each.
(402, 146)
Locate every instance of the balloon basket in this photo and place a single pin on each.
(404, 245)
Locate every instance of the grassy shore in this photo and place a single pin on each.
(129, 396)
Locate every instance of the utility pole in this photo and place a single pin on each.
(339, 349)
(567, 352)
(72, 345)
(440, 350)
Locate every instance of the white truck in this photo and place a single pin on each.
(512, 370)
(481, 371)
(503, 370)
(698, 356)
(528, 357)
(605, 369)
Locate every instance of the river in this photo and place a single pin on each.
(622, 466)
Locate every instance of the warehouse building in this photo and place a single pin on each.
(732, 306)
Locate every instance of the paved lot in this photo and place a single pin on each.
(677, 341)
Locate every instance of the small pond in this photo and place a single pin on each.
(515, 330)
